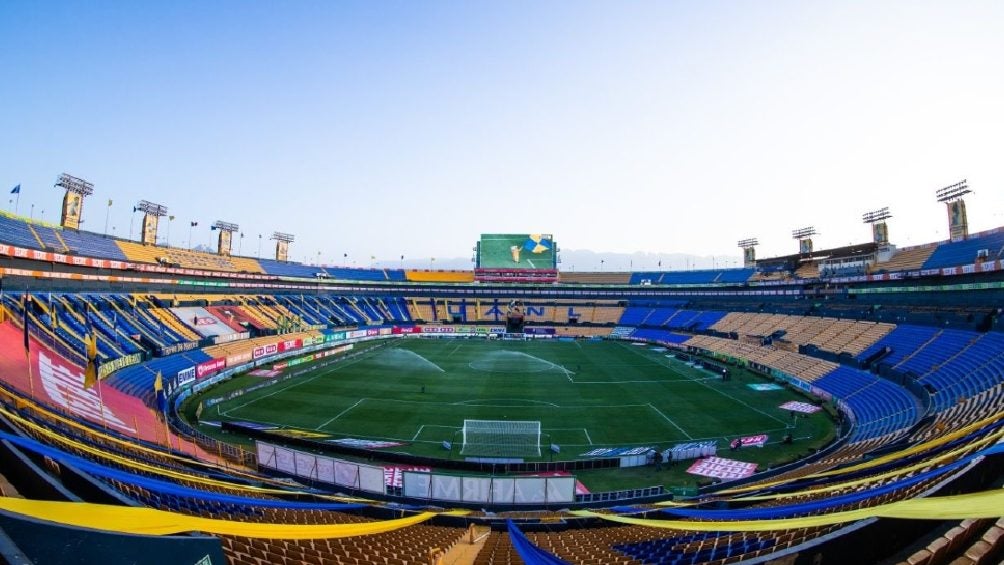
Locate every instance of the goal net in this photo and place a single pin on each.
(501, 438)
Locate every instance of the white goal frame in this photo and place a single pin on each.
(501, 438)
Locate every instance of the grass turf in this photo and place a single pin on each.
(585, 394)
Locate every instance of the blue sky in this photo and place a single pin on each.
(390, 128)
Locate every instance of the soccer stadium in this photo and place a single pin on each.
(232, 409)
(435, 283)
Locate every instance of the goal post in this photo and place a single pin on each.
(501, 438)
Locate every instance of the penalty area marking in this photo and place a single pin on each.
(524, 402)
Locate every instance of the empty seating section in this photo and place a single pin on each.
(242, 349)
(661, 316)
(952, 364)
(49, 238)
(16, 232)
(879, 406)
(807, 270)
(806, 368)
(594, 278)
(38, 235)
(713, 276)
(970, 542)
(137, 380)
(965, 252)
(661, 336)
(690, 548)
(407, 546)
(439, 276)
(908, 259)
(186, 258)
(829, 334)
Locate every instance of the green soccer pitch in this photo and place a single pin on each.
(586, 394)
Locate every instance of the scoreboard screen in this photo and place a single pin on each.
(523, 257)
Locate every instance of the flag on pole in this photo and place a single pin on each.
(109, 201)
(16, 190)
(27, 350)
(91, 342)
(158, 388)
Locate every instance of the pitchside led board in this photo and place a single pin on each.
(534, 251)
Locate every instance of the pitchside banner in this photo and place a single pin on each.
(357, 476)
(464, 330)
(265, 350)
(498, 490)
(209, 367)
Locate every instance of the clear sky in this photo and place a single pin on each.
(390, 128)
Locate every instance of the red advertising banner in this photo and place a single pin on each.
(208, 367)
(263, 350)
(289, 345)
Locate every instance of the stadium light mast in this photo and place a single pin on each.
(877, 218)
(282, 241)
(958, 222)
(225, 241)
(804, 237)
(73, 199)
(151, 217)
(748, 246)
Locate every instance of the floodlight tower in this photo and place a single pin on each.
(880, 231)
(748, 246)
(804, 237)
(282, 241)
(151, 217)
(73, 199)
(225, 241)
(958, 223)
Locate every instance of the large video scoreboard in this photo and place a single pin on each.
(502, 257)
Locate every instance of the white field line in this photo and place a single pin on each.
(670, 420)
(725, 394)
(340, 414)
(299, 382)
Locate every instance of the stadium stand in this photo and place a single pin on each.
(714, 276)
(967, 251)
(439, 276)
(907, 259)
(594, 278)
(901, 443)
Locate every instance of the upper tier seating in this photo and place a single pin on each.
(36, 235)
(693, 277)
(187, 259)
(953, 254)
(909, 259)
